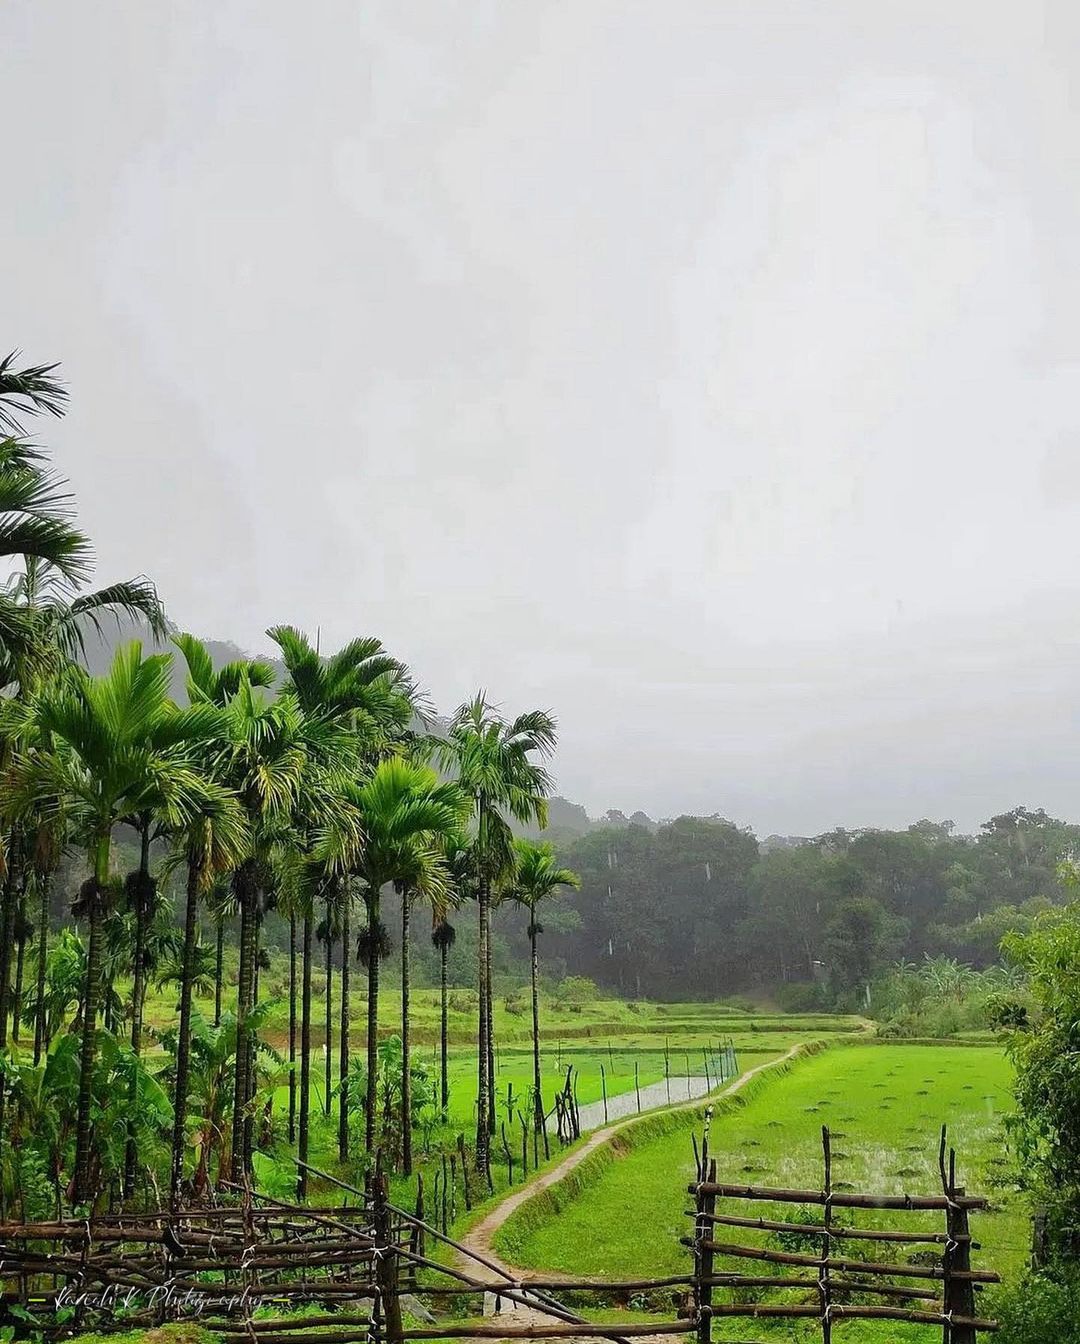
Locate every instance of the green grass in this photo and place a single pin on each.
(685, 1025)
(885, 1105)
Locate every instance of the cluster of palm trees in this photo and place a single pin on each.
(310, 794)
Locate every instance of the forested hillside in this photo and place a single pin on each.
(698, 907)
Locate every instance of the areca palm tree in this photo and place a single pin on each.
(405, 810)
(499, 767)
(441, 898)
(345, 1024)
(213, 841)
(328, 932)
(459, 854)
(443, 935)
(363, 690)
(36, 521)
(537, 877)
(44, 614)
(57, 615)
(262, 763)
(113, 748)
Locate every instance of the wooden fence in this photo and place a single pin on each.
(228, 1265)
(842, 1285)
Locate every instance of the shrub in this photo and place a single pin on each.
(576, 989)
(464, 1001)
(796, 1241)
(1040, 1309)
(801, 997)
(516, 1004)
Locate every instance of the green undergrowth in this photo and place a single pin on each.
(182, 1332)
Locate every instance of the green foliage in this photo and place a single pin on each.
(1046, 1053)
(942, 997)
(796, 996)
(1040, 1309)
(576, 989)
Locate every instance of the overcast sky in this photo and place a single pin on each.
(704, 370)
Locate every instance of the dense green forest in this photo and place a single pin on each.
(698, 907)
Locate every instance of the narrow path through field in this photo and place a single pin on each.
(479, 1238)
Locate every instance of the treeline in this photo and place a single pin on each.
(698, 908)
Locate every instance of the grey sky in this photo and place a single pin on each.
(705, 371)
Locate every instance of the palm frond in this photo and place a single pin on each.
(33, 390)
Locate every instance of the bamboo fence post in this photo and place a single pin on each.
(464, 1173)
(421, 1243)
(637, 1086)
(705, 1057)
(524, 1144)
(824, 1285)
(687, 1059)
(667, 1074)
(703, 1259)
(508, 1154)
(959, 1291)
(386, 1269)
(603, 1089)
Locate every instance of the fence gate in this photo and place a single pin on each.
(849, 1283)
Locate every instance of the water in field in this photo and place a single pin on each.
(650, 1096)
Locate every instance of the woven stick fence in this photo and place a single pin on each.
(226, 1265)
(943, 1292)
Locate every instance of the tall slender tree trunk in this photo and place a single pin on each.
(219, 971)
(305, 1052)
(40, 1043)
(292, 1027)
(138, 994)
(183, 1043)
(20, 966)
(483, 1057)
(490, 1024)
(7, 925)
(327, 1061)
(538, 1104)
(9, 896)
(444, 952)
(406, 1076)
(244, 883)
(88, 1045)
(346, 1022)
(372, 898)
